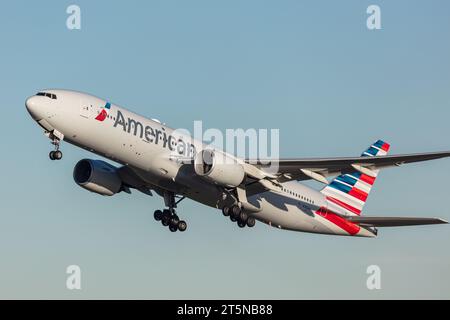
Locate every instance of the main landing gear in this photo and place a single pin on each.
(168, 217)
(237, 215)
(56, 154)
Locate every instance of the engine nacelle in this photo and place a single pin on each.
(97, 176)
(219, 168)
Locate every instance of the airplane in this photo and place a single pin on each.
(156, 158)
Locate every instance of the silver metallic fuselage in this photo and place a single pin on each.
(73, 114)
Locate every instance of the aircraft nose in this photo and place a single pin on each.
(33, 107)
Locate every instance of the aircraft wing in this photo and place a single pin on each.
(393, 221)
(319, 168)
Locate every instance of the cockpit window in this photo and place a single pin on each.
(46, 94)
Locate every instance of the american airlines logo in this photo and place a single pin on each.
(257, 145)
(104, 113)
(157, 136)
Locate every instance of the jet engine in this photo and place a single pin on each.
(219, 168)
(97, 176)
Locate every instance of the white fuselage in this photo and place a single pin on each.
(152, 150)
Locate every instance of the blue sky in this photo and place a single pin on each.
(310, 68)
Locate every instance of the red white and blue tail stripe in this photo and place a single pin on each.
(348, 193)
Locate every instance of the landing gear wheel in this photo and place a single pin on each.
(241, 224)
(165, 220)
(182, 226)
(173, 228)
(235, 212)
(174, 221)
(226, 211)
(57, 155)
(233, 219)
(251, 222)
(158, 215)
(243, 216)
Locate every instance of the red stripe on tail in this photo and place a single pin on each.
(344, 205)
(367, 179)
(347, 226)
(358, 194)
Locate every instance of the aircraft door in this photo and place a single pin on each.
(85, 109)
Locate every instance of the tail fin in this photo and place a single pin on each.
(348, 193)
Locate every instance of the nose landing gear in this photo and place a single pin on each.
(55, 154)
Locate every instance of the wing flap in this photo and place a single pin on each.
(394, 221)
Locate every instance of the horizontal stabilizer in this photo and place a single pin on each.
(393, 221)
